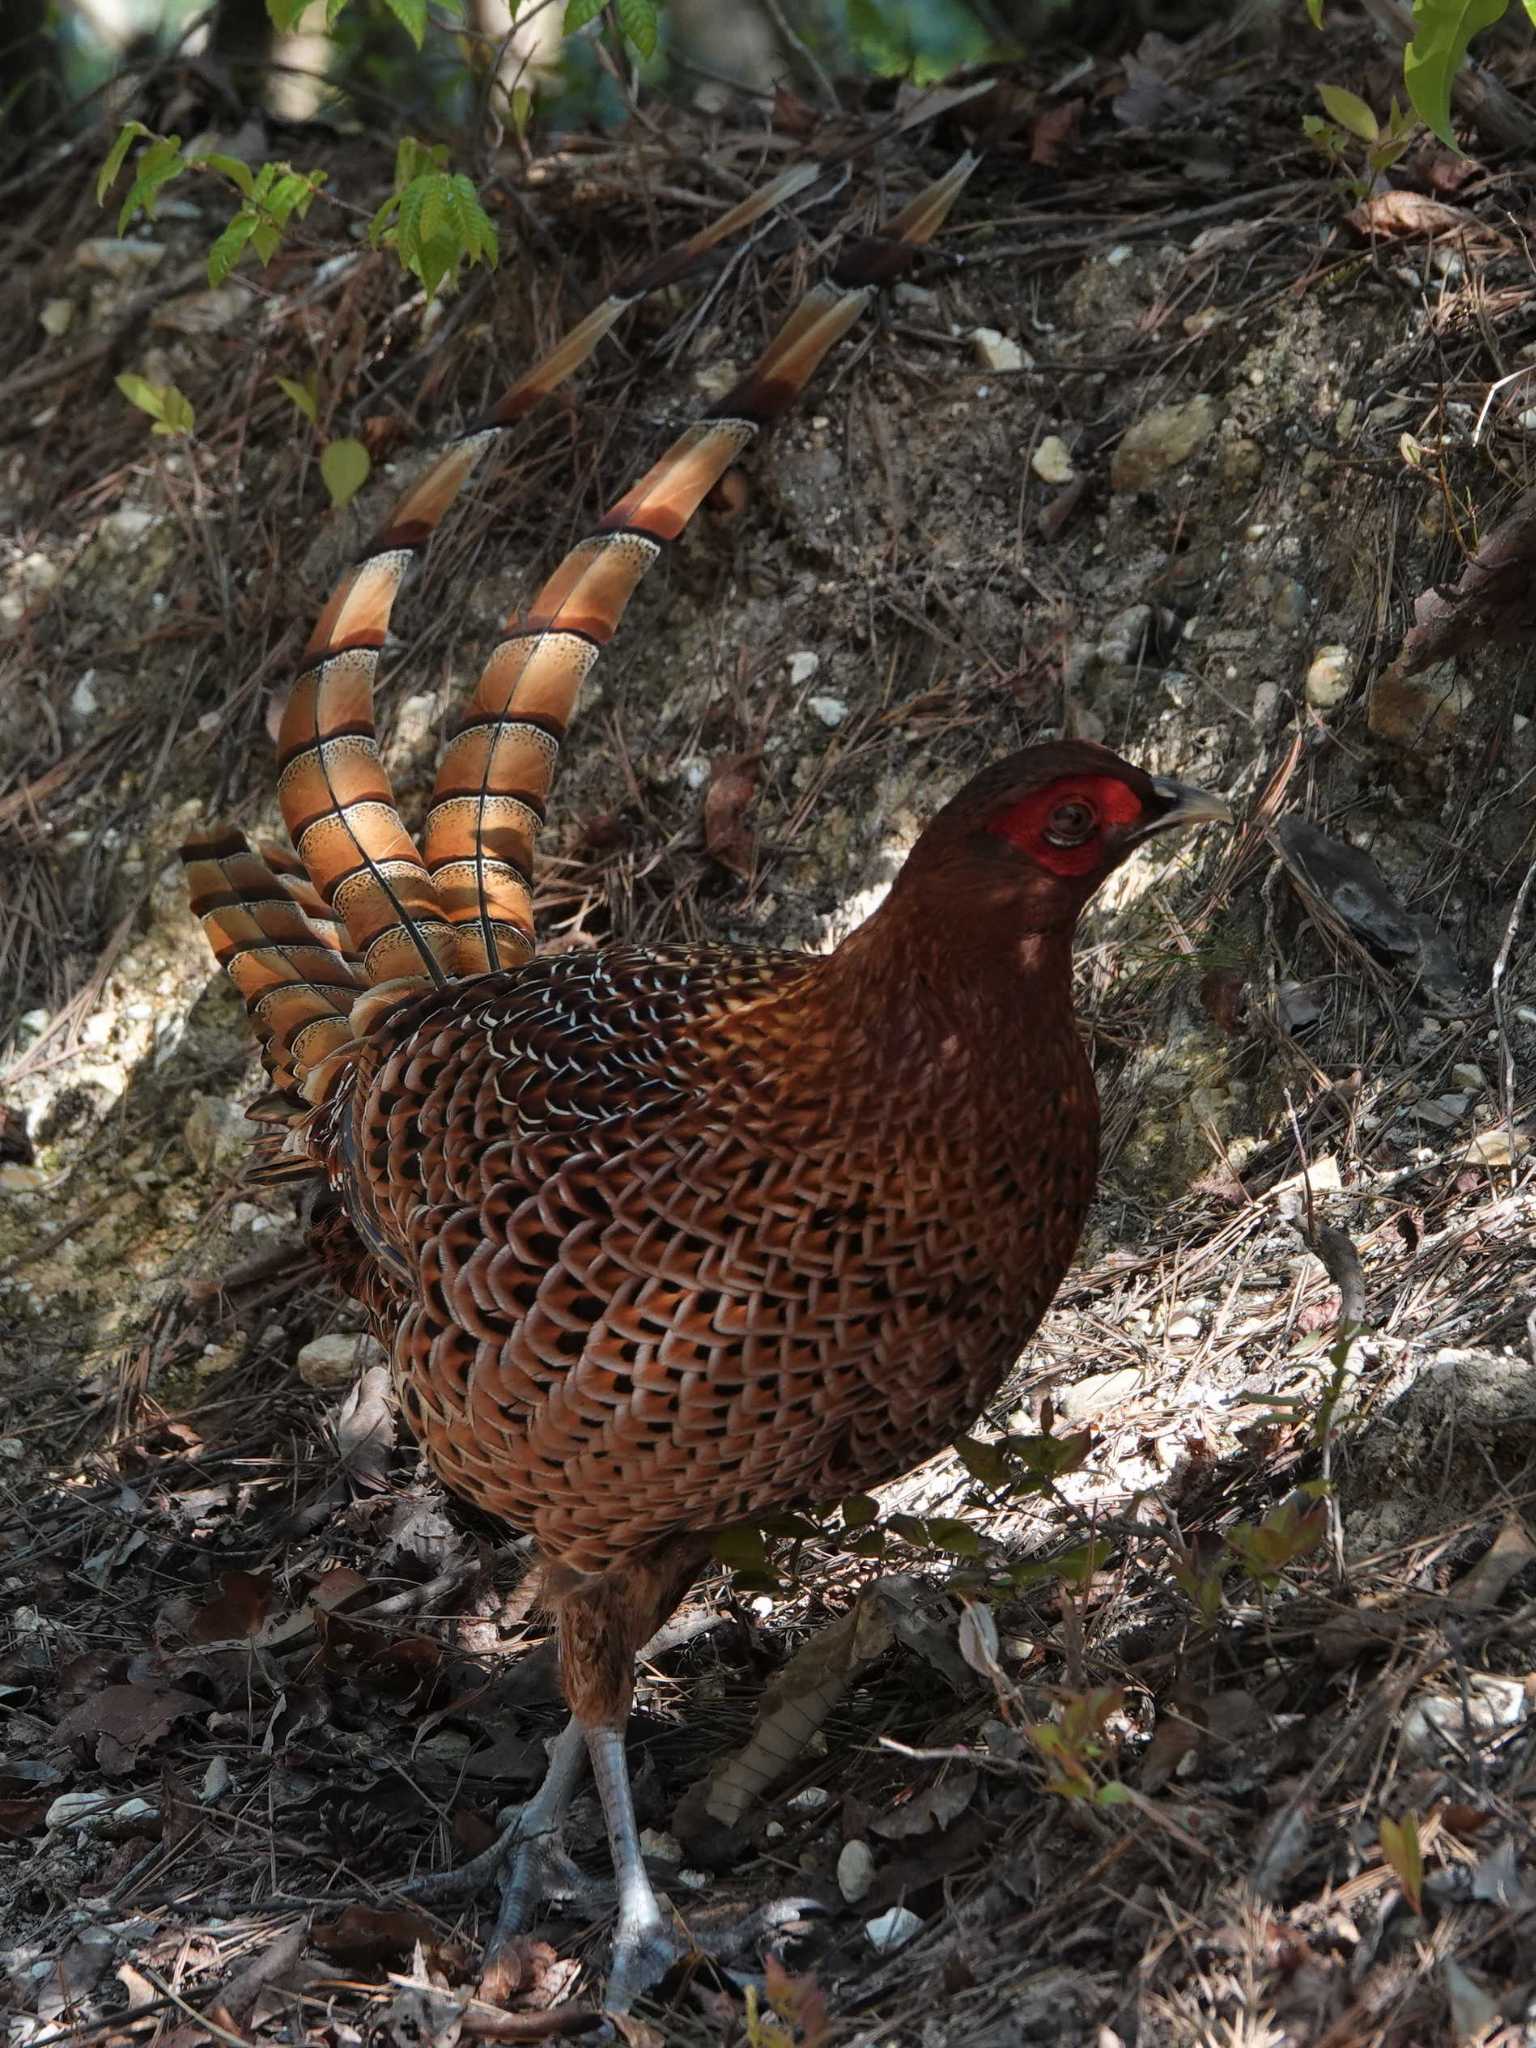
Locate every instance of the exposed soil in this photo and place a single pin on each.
(259, 1668)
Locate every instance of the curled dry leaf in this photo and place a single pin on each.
(732, 790)
(369, 1934)
(931, 1810)
(241, 1605)
(1494, 599)
(1413, 213)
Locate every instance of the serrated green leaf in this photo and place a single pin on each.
(159, 164)
(579, 12)
(229, 247)
(1350, 111)
(637, 23)
(412, 17)
(344, 468)
(106, 177)
(304, 395)
(230, 167)
(1442, 31)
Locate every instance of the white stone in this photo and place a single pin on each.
(338, 1359)
(1466, 1076)
(802, 666)
(1052, 461)
(995, 351)
(1184, 1327)
(830, 710)
(811, 1800)
(892, 1930)
(1329, 678)
(855, 1871)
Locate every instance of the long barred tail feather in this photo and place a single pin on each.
(495, 774)
(332, 784)
(322, 944)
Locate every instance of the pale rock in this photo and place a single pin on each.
(830, 710)
(1329, 678)
(802, 666)
(995, 351)
(1182, 1328)
(56, 317)
(1161, 442)
(892, 1930)
(855, 1871)
(338, 1359)
(1469, 1077)
(811, 1800)
(1052, 461)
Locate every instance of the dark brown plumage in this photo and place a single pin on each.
(664, 1239)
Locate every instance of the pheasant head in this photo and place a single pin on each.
(1027, 841)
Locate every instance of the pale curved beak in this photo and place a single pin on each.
(1183, 804)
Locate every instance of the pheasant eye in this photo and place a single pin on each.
(1071, 823)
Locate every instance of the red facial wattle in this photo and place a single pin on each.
(1026, 824)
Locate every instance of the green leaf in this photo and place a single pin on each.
(140, 392)
(344, 468)
(637, 22)
(1530, 8)
(579, 12)
(985, 1462)
(229, 167)
(1442, 31)
(1350, 111)
(284, 14)
(230, 246)
(161, 162)
(412, 17)
(176, 416)
(1315, 12)
(1400, 1847)
(305, 396)
(106, 177)
(1112, 1794)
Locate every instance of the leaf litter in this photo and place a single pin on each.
(251, 1684)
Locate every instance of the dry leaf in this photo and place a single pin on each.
(239, 1608)
(932, 1810)
(732, 790)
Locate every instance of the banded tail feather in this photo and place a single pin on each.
(321, 945)
(334, 790)
(303, 937)
(495, 775)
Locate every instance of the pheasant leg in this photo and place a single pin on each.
(528, 1855)
(644, 1947)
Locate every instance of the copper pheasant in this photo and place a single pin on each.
(663, 1239)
